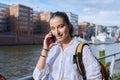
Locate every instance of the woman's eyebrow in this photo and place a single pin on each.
(61, 24)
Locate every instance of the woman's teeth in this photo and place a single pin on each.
(61, 34)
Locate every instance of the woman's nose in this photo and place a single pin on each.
(57, 32)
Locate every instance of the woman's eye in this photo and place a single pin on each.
(61, 26)
(52, 28)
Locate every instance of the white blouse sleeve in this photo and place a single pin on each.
(92, 66)
(40, 74)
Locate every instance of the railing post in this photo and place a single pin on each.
(112, 65)
(101, 54)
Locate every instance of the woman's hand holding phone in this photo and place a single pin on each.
(53, 38)
(49, 41)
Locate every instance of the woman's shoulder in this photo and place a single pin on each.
(75, 41)
(55, 48)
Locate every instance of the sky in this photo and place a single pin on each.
(100, 12)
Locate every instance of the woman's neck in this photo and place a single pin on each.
(66, 43)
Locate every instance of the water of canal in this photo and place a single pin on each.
(19, 61)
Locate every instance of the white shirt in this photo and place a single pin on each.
(60, 65)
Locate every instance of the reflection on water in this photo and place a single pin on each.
(18, 61)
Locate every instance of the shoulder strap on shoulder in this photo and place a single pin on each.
(80, 47)
(79, 61)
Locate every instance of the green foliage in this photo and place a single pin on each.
(116, 75)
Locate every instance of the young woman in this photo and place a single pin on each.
(56, 58)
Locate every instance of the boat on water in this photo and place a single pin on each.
(102, 38)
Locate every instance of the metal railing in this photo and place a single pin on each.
(112, 63)
(110, 68)
(26, 78)
(109, 55)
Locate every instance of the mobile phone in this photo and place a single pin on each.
(53, 38)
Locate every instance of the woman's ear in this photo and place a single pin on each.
(69, 26)
(71, 30)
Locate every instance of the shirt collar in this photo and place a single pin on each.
(71, 42)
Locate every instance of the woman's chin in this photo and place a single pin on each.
(59, 40)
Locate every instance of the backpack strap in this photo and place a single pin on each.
(79, 61)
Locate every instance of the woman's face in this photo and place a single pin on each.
(59, 29)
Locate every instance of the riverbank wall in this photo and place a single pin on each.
(20, 40)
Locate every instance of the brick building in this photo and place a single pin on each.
(41, 25)
(21, 23)
(44, 22)
(41, 22)
(4, 17)
(36, 22)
